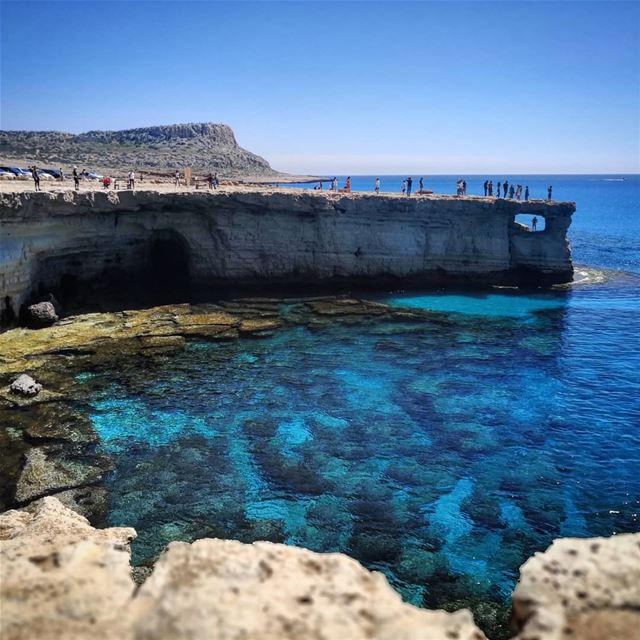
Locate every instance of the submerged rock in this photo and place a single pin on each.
(25, 385)
(41, 314)
(45, 472)
(580, 588)
(64, 579)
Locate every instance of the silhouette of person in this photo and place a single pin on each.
(526, 194)
(534, 223)
(549, 191)
(409, 183)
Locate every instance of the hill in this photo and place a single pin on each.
(202, 146)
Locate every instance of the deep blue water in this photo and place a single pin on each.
(443, 453)
(606, 226)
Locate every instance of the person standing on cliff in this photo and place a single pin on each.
(210, 180)
(498, 190)
(549, 191)
(404, 186)
(377, 187)
(347, 184)
(490, 188)
(519, 192)
(505, 189)
(511, 192)
(176, 179)
(421, 185)
(132, 180)
(334, 184)
(76, 178)
(526, 193)
(61, 175)
(464, 187)
(486, 188)
(409, 183)
(534, 223)
(36, 177)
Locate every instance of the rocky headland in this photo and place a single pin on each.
(202, 146)
(53, 241)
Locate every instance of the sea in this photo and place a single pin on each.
(442, 453)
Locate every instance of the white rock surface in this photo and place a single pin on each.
(264, 591)
(581, 589)
(25, 385)
(61, 578)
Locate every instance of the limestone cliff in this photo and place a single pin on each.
(268, 237)
(202, 146)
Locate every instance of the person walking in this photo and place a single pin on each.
(421, 185)
(176, 179)
(377, 187)
(132, 180)
(490, 188)
(534, 224)
(486, 188)
(36, 177)
(511, 192)
(526, 193)
(505, 189)
(409, 183)
(549, 191)
(76, 179)
(498, 190)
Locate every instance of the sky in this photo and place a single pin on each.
(342, 87)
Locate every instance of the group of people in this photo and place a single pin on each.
(511, 191)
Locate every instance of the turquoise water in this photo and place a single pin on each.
(443, 453)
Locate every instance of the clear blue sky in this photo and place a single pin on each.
(344, 87)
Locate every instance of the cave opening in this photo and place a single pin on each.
(168, 261)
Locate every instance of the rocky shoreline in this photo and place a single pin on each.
(64, 579)
(53, 471)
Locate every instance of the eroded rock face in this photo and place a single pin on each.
(64, 579)
(581, 589)
(25, 385)
(41, 314)
(284, 593)
(61, 578)
(261, 237)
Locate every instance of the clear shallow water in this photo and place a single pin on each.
(605, 231)
(442, 453)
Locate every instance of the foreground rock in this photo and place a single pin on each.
(64, 579)
(25, 385)
(61, 578)
(581, 589)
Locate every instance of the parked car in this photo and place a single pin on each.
(54, 173)
(7, 175)
(16, 172)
